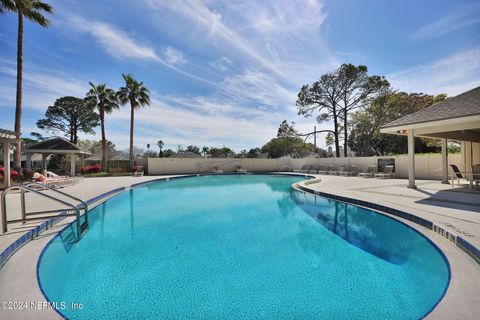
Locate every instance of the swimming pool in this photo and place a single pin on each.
(240, 247)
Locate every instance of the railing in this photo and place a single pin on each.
(27, 187)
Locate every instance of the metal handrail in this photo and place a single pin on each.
(26, 187)
(84, 204)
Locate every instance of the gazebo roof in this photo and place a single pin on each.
(6, 135)
(464, 105)
(457, 118)
(54, 145)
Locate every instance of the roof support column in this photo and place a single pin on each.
(411, 159)
(29, 160)
(444, 161)
(6, 164)
(72, 165)
(44, 164)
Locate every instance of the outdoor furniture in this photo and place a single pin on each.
(456, 173)
(54, 180)
(475, 177)
(323, 170)
(138, 172)
(314, 169)
(216, 170)
(370, 172)
(351, 172)
(387, 173)
(338, 171)
(240, 170)
(302, 169)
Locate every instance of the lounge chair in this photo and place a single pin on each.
(52, 179)
(324, 169)
(370, 172)
(338, 171)
(387, 173)
(240, 170)
(216, 170)
(476, 174)
(352, 171)
(314, 169)
(138, 171)
(302, 169)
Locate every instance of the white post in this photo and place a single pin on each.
(444, 161)
(411, 159)
(29, 161)
(72, 165)
(6, 164)
(44, 164)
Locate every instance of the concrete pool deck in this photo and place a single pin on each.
(456, 212)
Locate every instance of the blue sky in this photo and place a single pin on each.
(227, 72)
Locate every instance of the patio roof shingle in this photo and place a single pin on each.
(463, 105)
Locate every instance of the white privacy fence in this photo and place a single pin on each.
(426, 166)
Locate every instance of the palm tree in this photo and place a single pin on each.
(33, 10)
(160, 146)
(205, 151)
(105, 100)
(137, 95)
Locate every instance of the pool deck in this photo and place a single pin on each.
(454, 211)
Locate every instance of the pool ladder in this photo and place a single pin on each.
(37, 188)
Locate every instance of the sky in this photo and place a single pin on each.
(228, 72)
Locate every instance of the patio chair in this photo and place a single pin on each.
(351, 172)
(476, 174)
(314, 169)
(457, 174)
(240, 170)
(338, 171)
(138, 172)
(330, 169)
(301, 169)
(216, 170)
(370, 172)
(323, 169)
(52, 179)
(387, 173)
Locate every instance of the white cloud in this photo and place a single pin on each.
(222, 64)
(451, 75)
(465, 17)
(173, 56)
(257, 34)
(41, 87)
(121, 45)
(115, 41)
(259, 87)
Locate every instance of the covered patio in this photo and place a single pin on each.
(7, 138)
(55, 145)
(456, 119)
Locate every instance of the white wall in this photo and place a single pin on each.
(426, 166)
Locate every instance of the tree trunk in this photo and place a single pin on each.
(345, 132)
(132, 114)
(335, 134)
(18, 108)
(104, 140)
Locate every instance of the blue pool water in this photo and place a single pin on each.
(240, 247)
